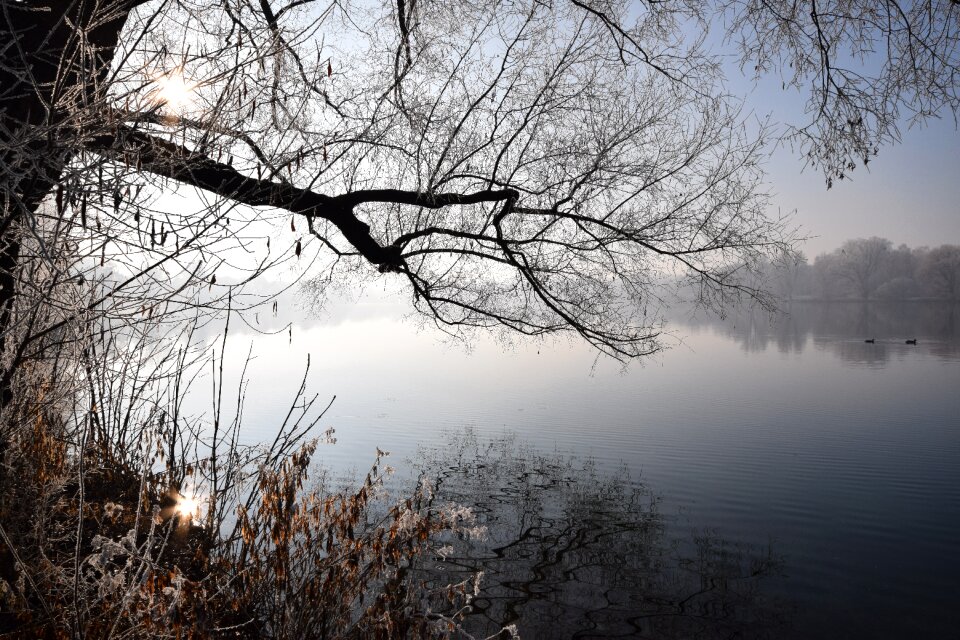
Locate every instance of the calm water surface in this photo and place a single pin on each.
(820, 473)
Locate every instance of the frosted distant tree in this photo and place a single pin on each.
(863, 264)
(940, 271)
(793, 277)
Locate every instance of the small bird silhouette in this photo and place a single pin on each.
(914, 341)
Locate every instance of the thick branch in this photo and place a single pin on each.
(176, 162)
(428, 200)
(189, 167)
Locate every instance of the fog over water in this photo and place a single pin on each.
(789, 436)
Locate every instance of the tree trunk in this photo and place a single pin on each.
(54, 58)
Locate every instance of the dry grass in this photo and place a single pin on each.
(93, 544)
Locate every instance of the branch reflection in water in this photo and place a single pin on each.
(573, 552)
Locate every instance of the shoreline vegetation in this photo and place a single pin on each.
(161, 526)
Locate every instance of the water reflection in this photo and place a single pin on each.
(573, 552)
(842, 328)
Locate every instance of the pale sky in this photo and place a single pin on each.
(911, 193)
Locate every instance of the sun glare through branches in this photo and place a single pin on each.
(173, 92)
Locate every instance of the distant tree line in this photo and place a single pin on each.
(869, 269)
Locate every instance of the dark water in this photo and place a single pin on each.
(758, 480)
(572, 551)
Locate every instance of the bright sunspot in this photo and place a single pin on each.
(187, 506)
(172, 91)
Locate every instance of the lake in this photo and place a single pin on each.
(759, 479)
